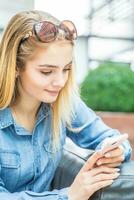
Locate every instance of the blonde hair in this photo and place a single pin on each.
(14, 53)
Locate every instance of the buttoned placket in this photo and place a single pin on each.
(36, 152)
(36, 156)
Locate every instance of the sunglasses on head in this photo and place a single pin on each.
(46, 31)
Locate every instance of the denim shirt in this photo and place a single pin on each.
(27, 160)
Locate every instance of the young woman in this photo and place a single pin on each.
(40, 106)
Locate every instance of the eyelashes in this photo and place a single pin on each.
(50, 72)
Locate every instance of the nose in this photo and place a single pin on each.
(59, 81)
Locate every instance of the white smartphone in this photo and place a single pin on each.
(112, 143)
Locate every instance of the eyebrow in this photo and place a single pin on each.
(54, 66)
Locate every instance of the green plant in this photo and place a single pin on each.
(110, 87)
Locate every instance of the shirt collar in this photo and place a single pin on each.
(43, 112)
(6, 118)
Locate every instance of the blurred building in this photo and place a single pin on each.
(105, 27)
(9, 8)
(111, 34)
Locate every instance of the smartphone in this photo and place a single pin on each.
(112, 143)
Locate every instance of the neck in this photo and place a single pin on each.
(26, 105)
(26, 108)
(21, 113)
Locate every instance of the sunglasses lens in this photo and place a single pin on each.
(70, 29)
(45, 31)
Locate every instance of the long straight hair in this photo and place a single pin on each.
(14, 53)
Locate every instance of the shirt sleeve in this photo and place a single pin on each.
(94, 131)
(29, 195)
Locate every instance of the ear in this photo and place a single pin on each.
(16, 72)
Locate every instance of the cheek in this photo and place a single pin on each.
(33, 81)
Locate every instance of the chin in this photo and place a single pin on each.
(49, 100)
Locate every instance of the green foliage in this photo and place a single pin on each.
(109, 88)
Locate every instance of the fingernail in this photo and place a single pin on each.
(108, 155)
(99, 163)
(117, 169)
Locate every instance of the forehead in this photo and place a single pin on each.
(57, 53)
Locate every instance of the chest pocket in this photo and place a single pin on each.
(10, 168)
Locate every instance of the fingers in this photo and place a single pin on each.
(91, 161)
(118, 159)
(100, 180)
(115, 152)
(104, 177)
(112, 143)
(100, 185)
(117, 164)
(112, 159)
(103, 169)
(101, 173)
(91, 180)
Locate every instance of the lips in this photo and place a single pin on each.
(52, 92)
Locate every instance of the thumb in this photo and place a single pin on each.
(91, 161)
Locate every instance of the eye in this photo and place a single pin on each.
(67, 69)
(50, 72)
(46, 73)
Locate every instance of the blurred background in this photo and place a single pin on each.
(104, 52)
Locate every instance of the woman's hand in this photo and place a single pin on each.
(112, 158)
(113, 151)
(91, 178)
